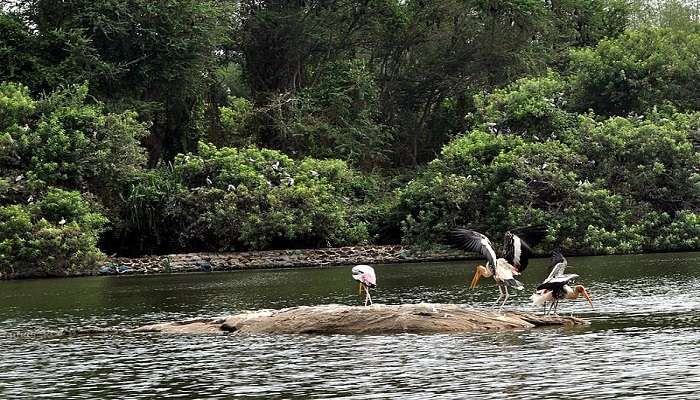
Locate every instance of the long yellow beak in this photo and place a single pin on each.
(475, 278)
(359, 289)
(587, 296)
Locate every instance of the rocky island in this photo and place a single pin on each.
(422, 318)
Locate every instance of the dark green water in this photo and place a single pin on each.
(642, 342)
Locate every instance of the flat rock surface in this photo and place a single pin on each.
(423, 318)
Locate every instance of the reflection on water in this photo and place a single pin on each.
(642, 342)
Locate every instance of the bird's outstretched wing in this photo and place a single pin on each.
(558, 264)
(469, 240)
(517, 244)
(557, 258)
(556, 283)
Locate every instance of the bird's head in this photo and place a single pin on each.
(582, 290)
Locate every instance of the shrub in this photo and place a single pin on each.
(491, 182)
(613, 191)
(56, 235)
(637, 71)
(533, 108)
(51, 150)
(251, 198)
(650, 161)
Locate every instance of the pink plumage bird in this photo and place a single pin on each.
(365, 275)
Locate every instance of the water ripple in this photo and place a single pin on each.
(641, 344)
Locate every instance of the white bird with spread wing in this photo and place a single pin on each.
(516, 253)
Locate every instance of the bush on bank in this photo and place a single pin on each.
(603, 185)
(63, 163)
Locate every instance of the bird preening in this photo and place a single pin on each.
(367, 279)
(514, 256)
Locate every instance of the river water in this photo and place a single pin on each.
(643, 341)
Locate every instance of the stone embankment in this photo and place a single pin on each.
(423, 318)
(205, 262)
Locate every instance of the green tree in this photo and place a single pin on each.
(56, 235)
(336, 118)
(63, 164)
(637, 71)
(533, 108)
(152, 56)
(250, 198)
(63, 140)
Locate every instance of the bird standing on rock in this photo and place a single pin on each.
(516, 254)
(556, 286)
(367, 278)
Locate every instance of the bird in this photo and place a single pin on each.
(558, 266)
(62, 221)
(516, 253)
(556, 286)
(367, 278)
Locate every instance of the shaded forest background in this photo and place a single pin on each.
(149, 126)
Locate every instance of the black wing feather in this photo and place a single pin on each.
(528, 237)
(469, 240)
(557, 283)
(559, 264)
(533, 235)
(557, 258)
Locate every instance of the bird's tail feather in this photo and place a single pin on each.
(538, 300)
(515, 284)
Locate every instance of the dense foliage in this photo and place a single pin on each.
(602, 185)
(138, 126)
(636, 72)
(250, 198)
(63, 162)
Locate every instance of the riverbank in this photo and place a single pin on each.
(268, 259)
(208, 262)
